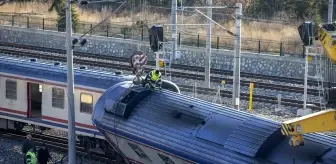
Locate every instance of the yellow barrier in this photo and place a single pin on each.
(251, 92)
(309, 58)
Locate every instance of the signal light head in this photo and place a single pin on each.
(306, 33)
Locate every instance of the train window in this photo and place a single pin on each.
(138, 151)
(86, 103)
(58, 98)
(11, 89)
(166, 159)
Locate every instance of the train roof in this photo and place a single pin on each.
(201, 131)
(50, 71)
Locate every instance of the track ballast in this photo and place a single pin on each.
(258, 98)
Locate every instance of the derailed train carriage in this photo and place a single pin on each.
(34, 93)
(166, 127)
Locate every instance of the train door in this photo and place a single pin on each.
(34, 92)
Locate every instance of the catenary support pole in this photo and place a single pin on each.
(174, 27)
(305, 80)
(71, 109)
(208, 45)
(330, 10)
(237, 55)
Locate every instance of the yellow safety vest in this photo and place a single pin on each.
(155, 77)
(32, 159)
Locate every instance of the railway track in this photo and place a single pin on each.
(58, 143)
(174, 66)
(256, 98)
(126, 67)
(244, 96)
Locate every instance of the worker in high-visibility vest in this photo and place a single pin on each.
(31, 157)
(153, 78)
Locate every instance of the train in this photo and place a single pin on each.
(34, 93)
(145, 126)
(164, 127)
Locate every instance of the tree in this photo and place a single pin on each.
(59, 7)
(300, 10)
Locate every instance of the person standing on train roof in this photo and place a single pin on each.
(153, 78)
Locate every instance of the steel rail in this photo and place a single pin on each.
(256, 98)
(174, 66)
(174, 73)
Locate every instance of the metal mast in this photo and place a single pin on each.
(70, 86)
(330, 10)
(237, 55)
(174, 27)
(208, 45)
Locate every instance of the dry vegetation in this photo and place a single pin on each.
(250, 29)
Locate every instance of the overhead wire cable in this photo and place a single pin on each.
(103, 20)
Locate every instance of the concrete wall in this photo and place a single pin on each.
(287, 66)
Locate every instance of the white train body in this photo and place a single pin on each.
(51, 116)
(32, 95)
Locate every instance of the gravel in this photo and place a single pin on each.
(51, 132)
(265, 110)
(10, 153)
(178, 70)
(201, 83)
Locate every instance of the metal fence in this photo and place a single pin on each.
(139, 32)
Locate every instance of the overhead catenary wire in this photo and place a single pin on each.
(228, 31)
(103, 20)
